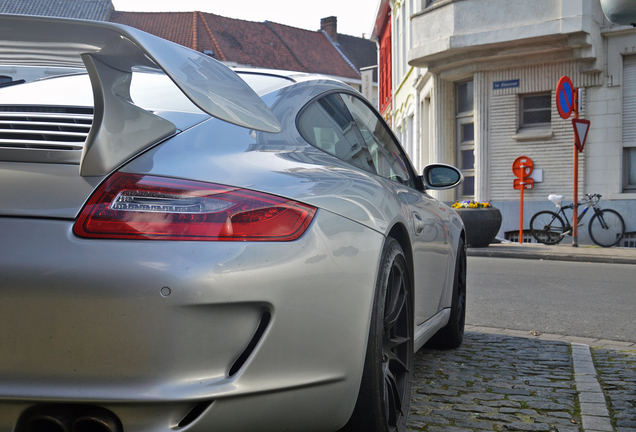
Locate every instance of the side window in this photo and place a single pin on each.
(388, 158)
(347, 128)
(328, 125)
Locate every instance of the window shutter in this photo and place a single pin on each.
(629, 101)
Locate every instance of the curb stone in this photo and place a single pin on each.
(594, 415)
(561, 252)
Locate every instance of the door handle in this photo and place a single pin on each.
(418, 223)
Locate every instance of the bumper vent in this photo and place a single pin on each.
(44, 127)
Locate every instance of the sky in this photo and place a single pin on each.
(355, 17)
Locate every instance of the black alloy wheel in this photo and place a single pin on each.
(385, 392)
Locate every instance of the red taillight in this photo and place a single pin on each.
(129, 206)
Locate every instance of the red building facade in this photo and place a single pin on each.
(382, 35)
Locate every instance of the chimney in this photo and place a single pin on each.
(330, 26)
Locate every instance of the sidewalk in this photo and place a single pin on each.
(560, 252)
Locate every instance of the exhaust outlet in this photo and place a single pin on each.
(99, 420)
(50, 419)
(68, 418)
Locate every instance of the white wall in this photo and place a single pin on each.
(463, 24)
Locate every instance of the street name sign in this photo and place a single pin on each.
(499, 85)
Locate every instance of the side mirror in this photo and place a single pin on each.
(442, 176)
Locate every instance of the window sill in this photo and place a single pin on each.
(627, 195)
(533, 135)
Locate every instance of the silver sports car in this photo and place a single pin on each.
(186, 247)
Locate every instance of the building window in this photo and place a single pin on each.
(535, 110)
(629, 124)
(630, 169)
(398, 51)
(465, 133)
(465, 97)
(410, 137)
(411, 12)
(403, 41)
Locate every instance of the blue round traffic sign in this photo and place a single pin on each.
(565, 97)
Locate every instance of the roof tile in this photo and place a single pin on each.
(259, 44)
(315, 51)
(98, 10)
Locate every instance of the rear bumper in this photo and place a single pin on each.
(147, 328)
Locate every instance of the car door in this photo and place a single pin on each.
(427, 217)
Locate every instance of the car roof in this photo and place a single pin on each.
(285, 74)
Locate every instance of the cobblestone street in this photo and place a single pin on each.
(617, 374)
(497, 382)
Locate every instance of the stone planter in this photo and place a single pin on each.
(482, 225)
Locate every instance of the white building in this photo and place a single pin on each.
(404, 115)
(485, 95)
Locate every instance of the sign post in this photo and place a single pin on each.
(567, 100)
(522, 168)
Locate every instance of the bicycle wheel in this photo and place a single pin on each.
(607, 228)
(547, 227)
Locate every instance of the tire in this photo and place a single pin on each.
(547, 227)
(609, 231)
(452, 335)
(385, 392)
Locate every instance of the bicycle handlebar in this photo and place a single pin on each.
(593, 198)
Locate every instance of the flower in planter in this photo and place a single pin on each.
(481, 226)
(471, 204)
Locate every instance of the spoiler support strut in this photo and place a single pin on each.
(110, 52)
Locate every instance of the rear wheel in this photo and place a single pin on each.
(607, 228)
(452, 335)
(547, 227)
(385, 392)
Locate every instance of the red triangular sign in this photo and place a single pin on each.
(581, 127)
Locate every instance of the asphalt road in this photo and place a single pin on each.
(568, 298)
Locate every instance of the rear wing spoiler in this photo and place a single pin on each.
(110, 52)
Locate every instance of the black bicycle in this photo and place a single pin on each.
(606, 227)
